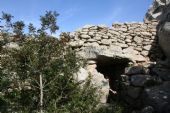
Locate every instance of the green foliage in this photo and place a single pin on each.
(8, 24)
(48, 21)
(32, 29)
(0, 25)
(7, 17)
(42, 68)
(57, 63)
(18, 28)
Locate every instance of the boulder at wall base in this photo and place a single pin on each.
(81, 76)
(97, 80)
(160, 10)
(164, 40)
(158, 97)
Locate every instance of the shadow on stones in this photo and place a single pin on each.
(156, 53)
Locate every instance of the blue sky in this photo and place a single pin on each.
(77, 13)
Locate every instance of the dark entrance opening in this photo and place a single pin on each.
(112, 68)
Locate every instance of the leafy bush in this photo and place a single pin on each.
(39, 75)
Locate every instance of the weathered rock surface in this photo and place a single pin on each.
(163, 73)
(160, 10)
(158, 97)
(148, 109)
(135, 70)
(97, 79)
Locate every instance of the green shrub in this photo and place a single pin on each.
(40, 77)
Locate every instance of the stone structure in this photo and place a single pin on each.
(126, 61)
(131, 40)
(132, 54)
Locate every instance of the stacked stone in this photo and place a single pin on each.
(127, 38)
(141, 89)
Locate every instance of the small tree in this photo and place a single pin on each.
(18, 28)
(48, 21)
(7, 17)
(0, 22)
(39, 76)
(32, 29)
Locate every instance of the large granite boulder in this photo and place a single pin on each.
(160, 10)
(97, 80)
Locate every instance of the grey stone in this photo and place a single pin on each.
(163, 73)
(76, 43)
(124, 78)
(164, 39)
(135, 70)
(160, 10)
(128, 37)
(115, 49)
(138, 58)
(91, 40)
(133, 92)
(91, 62)
(139, 49)
(128, 40)
(91, 33)
(157, 10)
(123, 29)
(105, 37)
(148, 47)
(105, 42)
(138, 39)
(139, 80)
(130, 51)
(122, 45)
(85, 36)
(158, 97)
(99, 81)
(114, 32)
(148, 109)
(81, 75)
(97, 38)
(85, 30)
(146, 33)
(93, 44)
(145, 53)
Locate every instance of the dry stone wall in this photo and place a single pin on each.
(132, 40)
